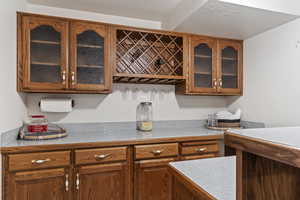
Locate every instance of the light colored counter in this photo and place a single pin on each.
(216, 176)
(288, 136)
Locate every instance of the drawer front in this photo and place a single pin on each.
(196, 157)
(100, 155)
(38, 160)
(200, 149)
(155, 151)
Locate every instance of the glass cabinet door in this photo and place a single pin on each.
(89, 57)
(203, 72)
(45, 42)
(230, 68)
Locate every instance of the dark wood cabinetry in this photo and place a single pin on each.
(50, 184)
(57, 55)
(91, 171)
(215, 67)
(103, 182)
(153, 180)
(60, 55)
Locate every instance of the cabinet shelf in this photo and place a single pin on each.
(90, 46)
(203, 56)
(45, 63)
(227, 58)
(45, 42)
(228, 74)
(203, 73)
(90, 66)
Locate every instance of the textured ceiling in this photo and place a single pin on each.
(230, 20)
(143, 9)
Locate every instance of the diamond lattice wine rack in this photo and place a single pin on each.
(147, 57)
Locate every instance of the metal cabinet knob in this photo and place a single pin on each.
(102, 156)
(156, 152)
(40, 161)
(201, 150)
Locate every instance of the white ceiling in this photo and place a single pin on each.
(228, 20)
(142, 9)
(222, 18)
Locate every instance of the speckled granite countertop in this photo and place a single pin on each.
(217, 176)
(117, 132)
(288, 136)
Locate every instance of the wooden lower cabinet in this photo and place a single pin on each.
(52, 184)
(133, 172)
(153, 180)
(102, 182)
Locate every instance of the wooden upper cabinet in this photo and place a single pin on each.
(44, 50)
(52, 184)
(89, 56)
(230, 70)
(215, 67)
(58, 55)
(203, 71)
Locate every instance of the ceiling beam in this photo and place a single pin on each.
(182, 12)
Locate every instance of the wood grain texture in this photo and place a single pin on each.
(25, 161)
(52, 147)
(149, 151)
(37, 185)
(153, 180)
(90, 156)
(280, 153)
(268, 179)
(105, 182)
(199, 149)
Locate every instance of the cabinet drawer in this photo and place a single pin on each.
(196, 157)
(38, 160)
(155, 151)
(200, 149)
(100, 155)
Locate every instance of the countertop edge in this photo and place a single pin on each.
(195, 189)
(49, 147)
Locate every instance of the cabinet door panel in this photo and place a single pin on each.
(103, 182)
(45, 53)
(89, 54)
(230, 71)
(153, 180)
(203, 65)
(36, 185)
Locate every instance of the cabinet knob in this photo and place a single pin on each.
(156, 152)
(40, 161)
(73, 78)
(77, 181)
(67, 182)
(201, 150)
(215, 83)
(220, 83)
(102, 156)
(63, 77)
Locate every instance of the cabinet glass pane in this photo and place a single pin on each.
(229, 68)
(45, 55)
(203, 66)
(90, 58)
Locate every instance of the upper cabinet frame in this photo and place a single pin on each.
(86, 57)
(95, 54)
(34, 50)
(61, 76)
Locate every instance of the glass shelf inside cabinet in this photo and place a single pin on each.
(230, 67)
(90, 58)
(202, 66)
(45, 55)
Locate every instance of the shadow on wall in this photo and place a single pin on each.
(82, 102)
(200, 101)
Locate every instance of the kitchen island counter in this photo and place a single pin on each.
(205, 179)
